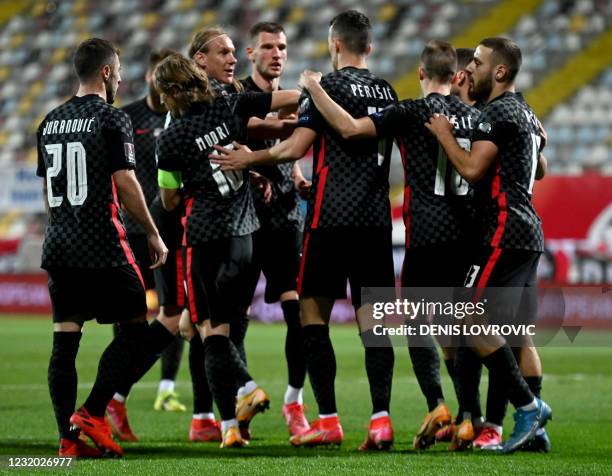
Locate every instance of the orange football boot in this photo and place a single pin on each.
(438, 418)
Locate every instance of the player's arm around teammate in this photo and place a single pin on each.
(504, 160)
(338, 118)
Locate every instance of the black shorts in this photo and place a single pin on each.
(169, 282)
(364, 256)
(140, 248)
(507, 280)
(442, 265)
(276, 253)
(216, 273)
(107, 295)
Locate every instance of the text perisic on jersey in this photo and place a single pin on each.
(213, 137)
(66, 126)
(463, 122)
(373, 92)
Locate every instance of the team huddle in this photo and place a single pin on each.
(194, 191)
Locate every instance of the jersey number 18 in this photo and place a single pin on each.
(458, 185)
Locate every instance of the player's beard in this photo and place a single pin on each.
(267, 74)
(110, 94)
(480, 91)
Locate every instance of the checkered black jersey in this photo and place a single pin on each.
(437, 206)
(503, 196)
(217, 204)
(350, 178)
(283, 211)
(147, 125)
(80, 145)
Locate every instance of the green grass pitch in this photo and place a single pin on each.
(578, 385)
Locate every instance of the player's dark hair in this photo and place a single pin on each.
(92, 55)
(182, 83)
(505, 51)
(439, 60)
(157, 55)
(264, 27)
(464, 57)
(353, 28)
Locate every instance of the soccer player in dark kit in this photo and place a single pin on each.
(277, 244)
(503, 164)
(213, 51)
(86, 155)
(219, 211)
(148, 116)
(348, 228)
(436, 201)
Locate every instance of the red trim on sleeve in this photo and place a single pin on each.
(188, 211)
(319, 198)
(114, 209)
(321, 157)
(322, 172)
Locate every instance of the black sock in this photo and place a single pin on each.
(535, 385)
(171, 358)
(238, 330)
(220, 373)
(62, 378)
(504, 369)
(118, 365)
(202, 397)
(157, 339)
(450, 368)
(497, 400)
(294, 348)
(321, 364)
(241, 372)
(379, 361)
(468, 370)
(426, 366)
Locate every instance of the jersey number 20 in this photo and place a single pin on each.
(76, 167)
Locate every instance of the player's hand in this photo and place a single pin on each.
(439, 125)
(301, 184)
(231, 159)
(543, 134)
(158, 249)
(303, 188)
(264, 185)
(288, 113)
(309, 78)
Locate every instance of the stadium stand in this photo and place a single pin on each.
(567, 73)
(580, 131)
